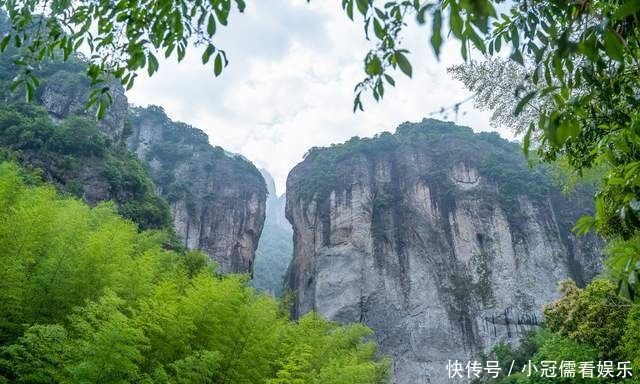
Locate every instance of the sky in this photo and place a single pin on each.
(289, 85)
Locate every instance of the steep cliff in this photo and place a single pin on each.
(443, 241)
(82, 157)
(276, 245)
(217, 199)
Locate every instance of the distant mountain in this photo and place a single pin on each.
(276, 244)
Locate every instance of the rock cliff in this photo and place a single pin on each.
(217, 198)
(82, 157)
(137, 157)
(443, 241)
(65, 92)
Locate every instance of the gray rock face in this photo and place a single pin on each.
(65, 93)
(275, 204)
(217, 199)
(440, 240)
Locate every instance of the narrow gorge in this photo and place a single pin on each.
(442, 240)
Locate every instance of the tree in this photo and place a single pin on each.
(87, 298)
(593, 315)
(125, 37)
(122, 37)
(497, 85)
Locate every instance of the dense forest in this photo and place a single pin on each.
(86, 297)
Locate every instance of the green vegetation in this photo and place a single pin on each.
(591, 324)
(179, 143)
(70, 151)
(580, 63)
(87, 298)
(80, 160)
(445, 142)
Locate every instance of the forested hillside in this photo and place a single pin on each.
(161, 173)
(72, 152)
(87, 298)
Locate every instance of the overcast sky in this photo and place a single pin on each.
(289, 85)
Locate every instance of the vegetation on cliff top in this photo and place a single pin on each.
(184, 156)
(440, 141)
(87, 298)
(72, 152)
(181, 141)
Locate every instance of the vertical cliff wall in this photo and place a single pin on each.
(442, 241)
(217, 198)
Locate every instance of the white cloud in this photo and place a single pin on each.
(290, 82)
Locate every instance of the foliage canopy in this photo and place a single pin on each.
(87, 298)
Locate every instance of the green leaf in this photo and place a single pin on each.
(207, 53)
(390, 80)
(613, 46)
(436, 34)
(526, 142)
(584, 225)
(222, 13)
(498, 44)
(357, 104)
(589, 48)
(515, 37)
(517, 57)
(567, 127)
(378, 29)
(476, 40)
(152, 65)
(455, 22)
(463, 49)
(348, 7)
(363, 6)
(403, 63)
(30, 91)
(217, 65)
(169, 50)
(101, 110)
(241, 5)
(629, 8)
(523, 102)
(373, 66)
(211, 25)
(4, 42)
